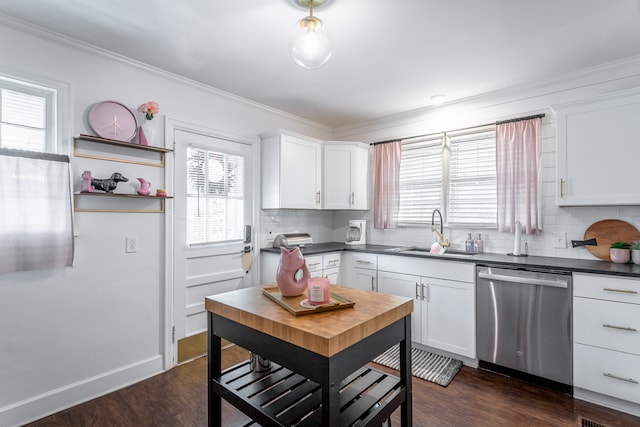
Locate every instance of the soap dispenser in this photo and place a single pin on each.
(468, 247)
(479, 244)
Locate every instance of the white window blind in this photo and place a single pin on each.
(453, 172)
(421, 174)
(472, 198)
(27, 116)
(215, 196)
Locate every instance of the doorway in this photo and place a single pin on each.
(213, 233)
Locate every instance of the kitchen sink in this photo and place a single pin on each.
(414, 250)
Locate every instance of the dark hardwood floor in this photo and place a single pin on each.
(474, 398)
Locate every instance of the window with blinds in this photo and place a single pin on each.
(215, 196)
(421, 175)
(472, 198)
(27, 116)
(453, 172)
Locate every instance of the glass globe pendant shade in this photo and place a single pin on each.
(309, 45)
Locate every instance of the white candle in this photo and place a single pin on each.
(516, 242)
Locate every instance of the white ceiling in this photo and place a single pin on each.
(388, 56)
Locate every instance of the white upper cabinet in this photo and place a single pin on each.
(291, 171)
(299, 172)
(598, 147)
(345, 175)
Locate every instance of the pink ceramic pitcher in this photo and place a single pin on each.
(287, 275)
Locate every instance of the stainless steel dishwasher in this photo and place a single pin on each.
(523, 323)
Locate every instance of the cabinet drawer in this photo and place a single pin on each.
(429, 267)
(364, 260)
(607, 324)
(622, 289)
(606, 371)
(314, 263)
(331, 260)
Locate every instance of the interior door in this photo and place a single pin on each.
(213, 236)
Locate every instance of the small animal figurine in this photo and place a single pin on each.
(109, 184)
(144, 187)
(86, 182)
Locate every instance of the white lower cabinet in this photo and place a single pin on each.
(444, 300)
(325, 265)
(606, 335)
(360, 270)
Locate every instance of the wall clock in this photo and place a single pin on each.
(112, 120)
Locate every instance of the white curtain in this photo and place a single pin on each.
(386, 184)
(36, 220)
(518, 150)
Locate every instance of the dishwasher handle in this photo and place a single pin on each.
(524, 280)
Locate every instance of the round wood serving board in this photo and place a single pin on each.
(607, 232)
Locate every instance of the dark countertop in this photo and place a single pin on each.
(561, 264)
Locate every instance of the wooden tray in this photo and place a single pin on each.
(292, 304)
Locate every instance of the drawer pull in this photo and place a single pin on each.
(615, 377)
(359, 261)
(313, 264)
(622, 328)
(624, 291)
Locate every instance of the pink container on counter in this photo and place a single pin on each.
(318, 290)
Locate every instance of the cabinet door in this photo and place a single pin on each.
(364, 278)
(331, 274)
(594, 138)
(450, 316)
(300, 173)
(409, 286)
(345, 176)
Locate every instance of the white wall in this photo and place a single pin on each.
(70, 335)
(537, 97)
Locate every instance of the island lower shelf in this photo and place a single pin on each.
(279, 396)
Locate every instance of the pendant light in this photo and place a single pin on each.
(308, 44)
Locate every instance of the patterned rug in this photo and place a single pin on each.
(428, 366)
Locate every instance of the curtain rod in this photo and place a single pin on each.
(519, 119)
(14, 152)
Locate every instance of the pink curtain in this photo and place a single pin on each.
(386, 184)
(518, 150)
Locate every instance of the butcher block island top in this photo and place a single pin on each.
(326, 333)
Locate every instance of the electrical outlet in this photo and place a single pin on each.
(270, 236)
(559, 240)
(130, 244)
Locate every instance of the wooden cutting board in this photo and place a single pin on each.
(608, 231)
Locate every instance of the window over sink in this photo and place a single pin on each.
(454, 172)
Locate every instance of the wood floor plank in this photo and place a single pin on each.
(178, 398)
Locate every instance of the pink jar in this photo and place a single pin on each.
(318, 290)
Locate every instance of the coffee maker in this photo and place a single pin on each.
(356, 233)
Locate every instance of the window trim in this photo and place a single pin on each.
(59, 139)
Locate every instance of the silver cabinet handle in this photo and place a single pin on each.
(624, 291)
(615, 377)
(373, 284)
(359, 261)
(622, 328)
(313, 264)
(417, 296)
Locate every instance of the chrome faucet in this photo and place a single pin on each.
(443, 242)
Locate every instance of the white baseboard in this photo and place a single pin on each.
(53, 401)
(607, 401)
